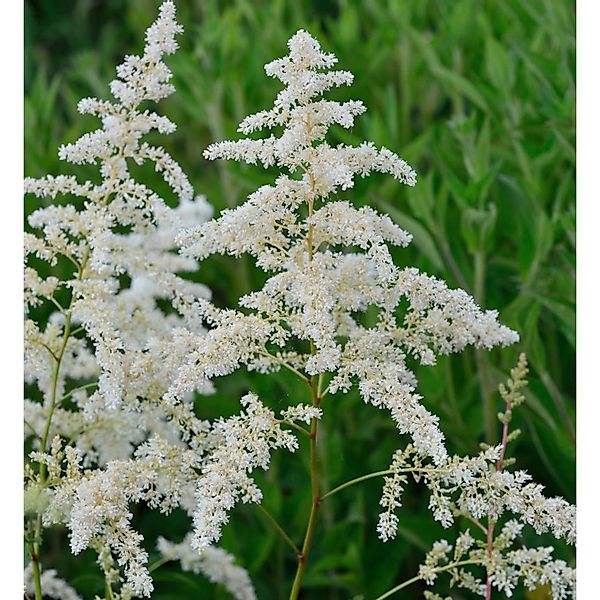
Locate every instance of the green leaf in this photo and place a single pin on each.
(422, 239)
(564, 312)
(481, 160)
(447, 77)
(461, 85)
(534, 347)
(421, 198)
(477, 225)
(500, 68)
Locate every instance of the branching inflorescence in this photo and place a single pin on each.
(98, 366)
(117, 375)
(481, 490)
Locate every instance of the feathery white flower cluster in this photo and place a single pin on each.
(95, 503)
(215, 564)
(117, 373)
(331, 261)
(237, 446)
(506, 567)
(53, 586)
(118, 243)
(158, 474)
(103, 359)
(472, 486)
(482, 490)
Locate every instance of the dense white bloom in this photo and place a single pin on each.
(470, 485)
(119, 243)
(96, 503)
(331, 261)
(117, 372)
(215, 564)
(532, 567)
(482, 490)
(106, 355)
(53, 586)
(130, 333)
(237, 446)
(479, 486)
(156, 474)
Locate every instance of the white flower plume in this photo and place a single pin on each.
(120, 318)
(329, 261)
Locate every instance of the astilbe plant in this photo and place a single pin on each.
(329, 262)
(482, 490)
(129, 433)
(99, 349)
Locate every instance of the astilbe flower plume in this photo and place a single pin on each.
(328, 262)
(482, 490)
(53, 586)
(216, 564)
(98, 365)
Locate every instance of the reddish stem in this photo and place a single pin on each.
(500, 463)
(491, 524)
(490, 548)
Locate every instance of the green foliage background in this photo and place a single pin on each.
(478, 96)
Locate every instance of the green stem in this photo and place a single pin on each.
(77, 389)
(296, 427)
(35, 563)
(489, 418)
(28, 424)
(158, 563)
(339, 488)
(315, 500)
(59, 306)
(283, 363)
(53, 403)
(50, 351)
(57, 365)
(479, 276)
(475, 522)
(108, 590)
(279, 529)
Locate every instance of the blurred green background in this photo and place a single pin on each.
(478, 96)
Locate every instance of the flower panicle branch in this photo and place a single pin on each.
(483, 490)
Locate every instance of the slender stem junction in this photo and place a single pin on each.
(279, 529)
(408, 582)
(315, 499)
(343, 486)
